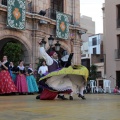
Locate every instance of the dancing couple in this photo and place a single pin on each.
(63, 77)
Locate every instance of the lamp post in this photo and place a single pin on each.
(43, 43)
(50, 41)
(57, 45)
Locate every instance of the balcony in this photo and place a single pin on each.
(28, 5)
(117, 53)
(3, 2)
(51, 13)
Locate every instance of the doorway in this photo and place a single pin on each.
(118, 78)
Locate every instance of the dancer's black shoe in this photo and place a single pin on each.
(38, 97)
(81, 96)
(62, 97)
(70, 97)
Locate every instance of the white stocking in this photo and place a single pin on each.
(81, 90)
(71, 94)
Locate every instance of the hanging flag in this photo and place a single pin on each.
(16, 14)
(62, 25)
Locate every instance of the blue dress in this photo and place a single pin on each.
(31, 82)
(12, 73)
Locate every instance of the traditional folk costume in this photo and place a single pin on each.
(66, 80)
(20, 81)
(6, 83)
(13, 72)
(31, 82)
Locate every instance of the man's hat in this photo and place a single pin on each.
(51, 53)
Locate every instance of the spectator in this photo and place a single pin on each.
(88, 89)
(31, 81)
(20, 81)
(6, 83)
(100, 90)
(116, 89)
(43, 69)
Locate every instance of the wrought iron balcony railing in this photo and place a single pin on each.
(3, 2)
(117, 53)
(51, 13)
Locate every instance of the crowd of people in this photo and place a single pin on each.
(16, 79)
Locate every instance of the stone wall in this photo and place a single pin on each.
(35, 31)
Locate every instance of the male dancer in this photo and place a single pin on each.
(54, 63)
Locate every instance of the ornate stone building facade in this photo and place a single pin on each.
(36, 30)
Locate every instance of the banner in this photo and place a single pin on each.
(16, 14)
(62, 25)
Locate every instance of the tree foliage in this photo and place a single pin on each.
(13, 51)
(93, 72)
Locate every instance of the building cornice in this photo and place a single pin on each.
(39, 17)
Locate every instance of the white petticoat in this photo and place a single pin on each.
(66, 82)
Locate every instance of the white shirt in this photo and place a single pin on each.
(48, 59)
(42, 69)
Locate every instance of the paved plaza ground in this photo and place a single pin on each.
(26, 107)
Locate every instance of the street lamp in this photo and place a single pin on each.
(50, 40)
(43, 43)
(57, 46)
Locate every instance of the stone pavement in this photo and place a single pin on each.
(26, 107)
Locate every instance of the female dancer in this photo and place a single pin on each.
(20, 81)
(31, 81)
(12, 71)
(6, 83)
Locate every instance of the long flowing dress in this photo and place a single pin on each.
(65, 80)
(70, 79)
(20, 81)
(31, 82)
(6, 83)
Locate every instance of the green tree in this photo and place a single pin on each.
(93, 72)
(13, 51)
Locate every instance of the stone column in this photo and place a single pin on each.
(77, 53)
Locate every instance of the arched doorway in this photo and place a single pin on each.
(26, 57)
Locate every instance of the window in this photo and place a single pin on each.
(118, 78)
(99, 74)
(57, 5)
(117, 51)
(118, 41)
(118, 16)
(4, 2)
(94, 41)
(102, 60)
(30, 7)
(94, 50)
